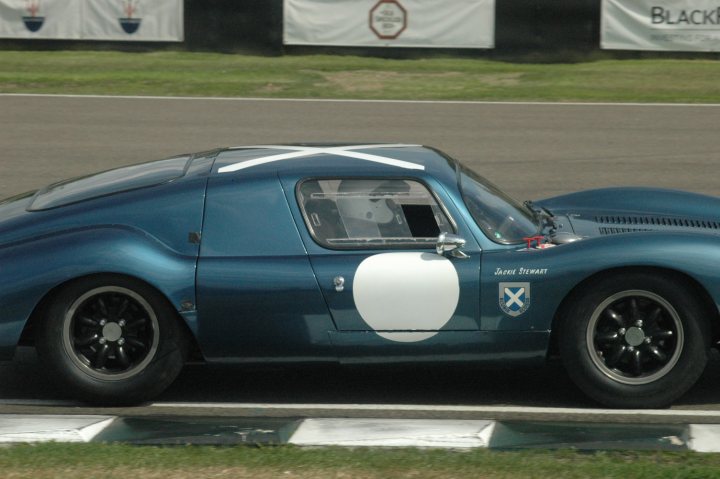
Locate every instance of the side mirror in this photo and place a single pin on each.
(450, 243)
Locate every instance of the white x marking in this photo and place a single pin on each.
(303, 151)
(514, 297)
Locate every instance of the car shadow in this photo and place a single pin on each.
(415, 385)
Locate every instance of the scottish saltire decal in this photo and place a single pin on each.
(514, 298)
(306, 151)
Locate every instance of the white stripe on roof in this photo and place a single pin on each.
(305, 151)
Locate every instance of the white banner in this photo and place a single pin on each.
(40, 19)
(142, 20)
(120, 20)
(390, 23)
(676, 25)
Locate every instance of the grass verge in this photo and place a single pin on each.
(325, 76)
(121, 461)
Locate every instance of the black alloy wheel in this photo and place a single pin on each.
(112, 332)
(635, 337)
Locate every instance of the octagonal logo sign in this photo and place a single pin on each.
(388, 19)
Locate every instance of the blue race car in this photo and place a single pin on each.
(375, 253)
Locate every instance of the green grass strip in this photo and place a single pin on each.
(325, 76)
(123, 461)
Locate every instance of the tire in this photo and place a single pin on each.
(111, 340)
(638, 340)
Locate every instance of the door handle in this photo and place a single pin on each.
(339, 283)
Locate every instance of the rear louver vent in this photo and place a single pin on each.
(655, 221)
(616, 231)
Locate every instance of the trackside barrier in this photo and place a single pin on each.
(251, 25)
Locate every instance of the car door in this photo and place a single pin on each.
(257, 296)
(372, 246)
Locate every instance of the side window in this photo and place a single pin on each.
(371, 213)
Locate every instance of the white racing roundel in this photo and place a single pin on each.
(398, 293)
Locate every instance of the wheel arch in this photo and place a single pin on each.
(703, 295)
(28, 334)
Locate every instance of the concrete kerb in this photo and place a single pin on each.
(357, 432)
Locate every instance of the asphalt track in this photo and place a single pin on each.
(530, 150)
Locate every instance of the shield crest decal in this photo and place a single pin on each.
(514, 298)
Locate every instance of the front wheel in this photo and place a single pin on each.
(637, 341)
(111, 340)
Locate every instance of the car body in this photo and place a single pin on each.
(371, 253)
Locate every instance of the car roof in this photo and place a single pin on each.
(328, 159)
(301, 159)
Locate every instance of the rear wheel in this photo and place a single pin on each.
(111, 340)
(637, 341)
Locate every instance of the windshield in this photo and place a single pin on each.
(501, 218)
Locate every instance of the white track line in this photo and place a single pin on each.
(430, 408)
(255, 407)
(339, 100)
(39, 402)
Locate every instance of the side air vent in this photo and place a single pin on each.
(657, 221)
